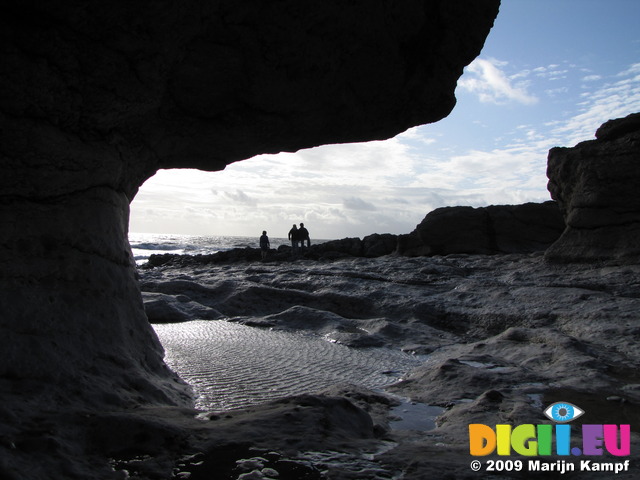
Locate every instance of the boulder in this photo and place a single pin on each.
(495, 229)
(596, 186)
(163, 308)
(377, 245)
(526, 228)
(410, 245)
(619, 127)
(350, 247)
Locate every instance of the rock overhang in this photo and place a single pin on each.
(96, 96)
(109, 95)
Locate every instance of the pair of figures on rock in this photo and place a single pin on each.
(298, 237)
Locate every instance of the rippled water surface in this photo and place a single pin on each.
(231, 365)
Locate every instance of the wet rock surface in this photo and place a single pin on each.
(504, 335)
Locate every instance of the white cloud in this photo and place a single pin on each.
(522, 74)
(240, 197)
(355, 203)
(554, 92)
(552, 72)
(610, 100)
(491, 84)
(633, 70)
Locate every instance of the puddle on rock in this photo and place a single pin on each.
(414, 416)
(487, 365)
(598, 408)
(231, 366)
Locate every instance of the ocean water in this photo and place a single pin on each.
(145, 244)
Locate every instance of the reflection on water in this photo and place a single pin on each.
(415, 416)
(231, 365)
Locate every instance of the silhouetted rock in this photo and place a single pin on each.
(377, 245)
(97, 99)
(495, 229)
(163, 308)
(619, 127)
(596, 186)
(410, 245)
(351, 247)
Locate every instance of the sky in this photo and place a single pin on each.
(550, 73)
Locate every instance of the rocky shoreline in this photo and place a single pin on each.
(497, 229)
(504, 335)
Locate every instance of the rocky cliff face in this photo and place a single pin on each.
(96, 96)
(596, 185)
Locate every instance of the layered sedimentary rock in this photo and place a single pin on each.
(596, 184)
(495, 229)
(96, 96)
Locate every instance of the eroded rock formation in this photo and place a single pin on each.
(596, 184)
(495, 229)
(506, 335)
(96, 96)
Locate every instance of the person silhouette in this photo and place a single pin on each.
(264, 244)
(294, 236)
(303, 235)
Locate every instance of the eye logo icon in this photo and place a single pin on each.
(563, 412)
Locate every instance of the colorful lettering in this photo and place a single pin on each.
(611, 437)
(503, 432)
(563, 439)
(482, 440)
(544, 439)
(592, 438)
(531, 440)
(523, 440)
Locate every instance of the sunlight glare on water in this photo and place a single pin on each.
(230, 365)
